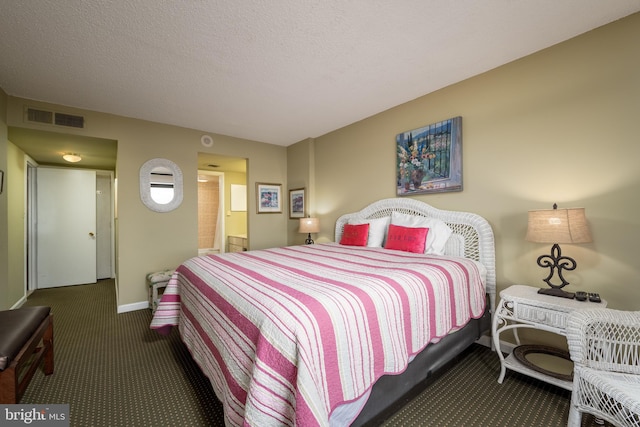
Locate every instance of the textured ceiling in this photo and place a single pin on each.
(272, 71)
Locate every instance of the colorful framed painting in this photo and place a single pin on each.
(269, 198)
(429, 159)
(296, 203)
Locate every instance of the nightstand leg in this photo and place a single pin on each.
(517, 337)
(503, 368)
(503, 371)
(495, 335)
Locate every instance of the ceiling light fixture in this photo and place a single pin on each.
(72, 157)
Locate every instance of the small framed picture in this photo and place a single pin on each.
(269, 198)
(238, 198)
(296, 203)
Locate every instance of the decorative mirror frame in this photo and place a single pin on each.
(145, 185)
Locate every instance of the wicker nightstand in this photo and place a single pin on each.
(522, 307)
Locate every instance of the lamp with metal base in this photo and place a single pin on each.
(309, 225)
(557, 226)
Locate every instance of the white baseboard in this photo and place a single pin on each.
(505, 347)
(142, 305)
(484, 340)
(20, 303)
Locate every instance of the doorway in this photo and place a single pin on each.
(231, 171)
(43, 148)
(210, 212)
(70, 231)
(105, 236)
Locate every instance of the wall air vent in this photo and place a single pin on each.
(35, 115)
(69, 120)
(39, 116)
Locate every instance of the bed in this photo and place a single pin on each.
(336, 333)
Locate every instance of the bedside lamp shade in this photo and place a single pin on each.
(309, 225)
(557, 226)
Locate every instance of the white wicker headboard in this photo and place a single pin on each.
(472, 235)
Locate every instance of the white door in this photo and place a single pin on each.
(66, 227)
(103, 225)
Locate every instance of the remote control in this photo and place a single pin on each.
(581, 296)
(594, 297)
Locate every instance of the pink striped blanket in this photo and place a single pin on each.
(286, 335)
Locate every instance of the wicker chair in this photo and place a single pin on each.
(605, 348)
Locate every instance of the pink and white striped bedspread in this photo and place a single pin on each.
(286, 335)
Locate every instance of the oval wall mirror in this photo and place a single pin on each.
(161, 185)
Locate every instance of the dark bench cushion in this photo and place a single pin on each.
(16, 327)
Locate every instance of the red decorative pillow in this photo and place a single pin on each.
(408, 239)
(355, 235)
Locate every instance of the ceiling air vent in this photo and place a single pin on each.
(39, 116)
(69, 120)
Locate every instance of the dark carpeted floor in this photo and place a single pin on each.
(114, 371)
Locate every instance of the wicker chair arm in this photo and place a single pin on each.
(605, 339)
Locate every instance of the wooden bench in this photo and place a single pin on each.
(26, 340)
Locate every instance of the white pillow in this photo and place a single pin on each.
(438, 234)
(377, 230)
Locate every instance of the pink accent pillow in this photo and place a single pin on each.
(355, 235)
(408, 239)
